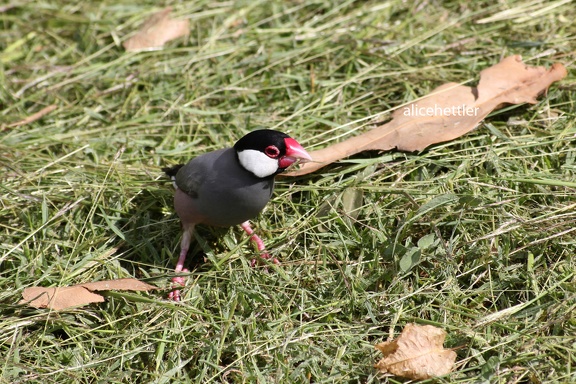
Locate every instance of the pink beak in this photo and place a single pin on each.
(294, 152)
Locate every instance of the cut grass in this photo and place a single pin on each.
(475, 236)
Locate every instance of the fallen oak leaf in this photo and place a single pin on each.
(58, 298)
(450, 111)
(417, 354)
(156, 31)
(119, 285)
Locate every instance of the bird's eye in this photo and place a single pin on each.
(272, 151)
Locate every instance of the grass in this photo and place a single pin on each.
(475, 236)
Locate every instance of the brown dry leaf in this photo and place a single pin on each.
(118, 285)
(58, 298)
(417, 354)
(450, 111)
(156, 31)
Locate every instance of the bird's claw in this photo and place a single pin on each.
(178, 280)
(264, 256)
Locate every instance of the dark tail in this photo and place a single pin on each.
(172, 171)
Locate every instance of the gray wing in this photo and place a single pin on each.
(197, 171)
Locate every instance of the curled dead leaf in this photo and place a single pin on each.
(450, 111)
(156, 31)
(417, 354)
(119, 285)
(59, 298)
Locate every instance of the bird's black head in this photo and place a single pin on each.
(266, 152)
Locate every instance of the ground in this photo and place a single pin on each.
(475, 235)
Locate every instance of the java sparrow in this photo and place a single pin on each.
(229, 186)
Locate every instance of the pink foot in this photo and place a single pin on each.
(259, 244)
(177, 281)
(265, 256)
(184, 246)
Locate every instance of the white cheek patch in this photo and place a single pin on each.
(258, 163)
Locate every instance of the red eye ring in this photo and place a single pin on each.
(272, 151)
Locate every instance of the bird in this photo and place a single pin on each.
(230, 186)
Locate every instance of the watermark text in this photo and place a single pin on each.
(415, 110)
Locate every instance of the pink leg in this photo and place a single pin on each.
(184, 246)
(259, 243)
